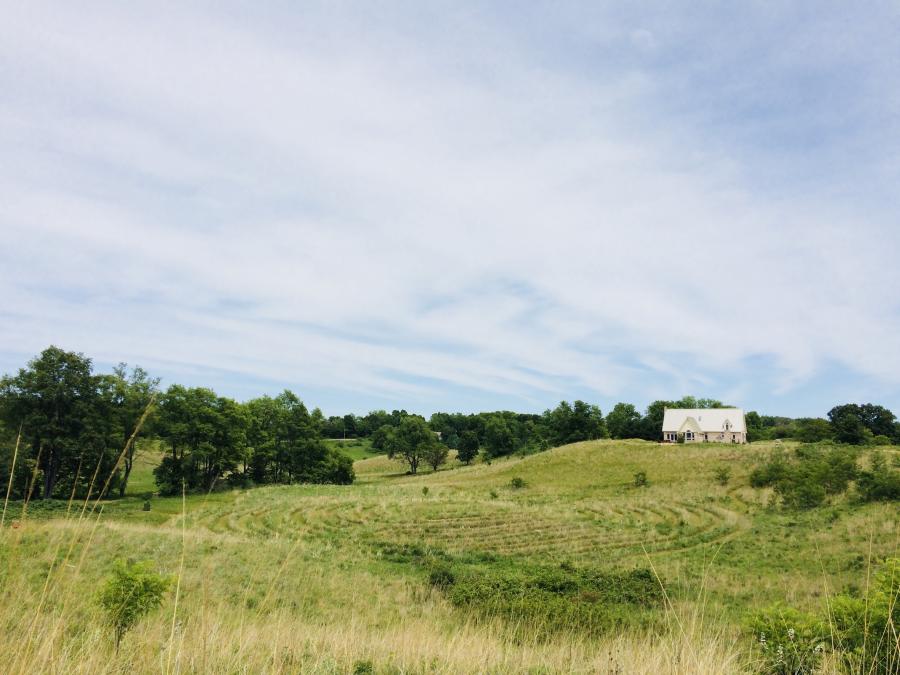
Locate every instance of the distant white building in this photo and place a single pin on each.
(702, 425)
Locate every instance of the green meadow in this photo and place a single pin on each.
(401, 573)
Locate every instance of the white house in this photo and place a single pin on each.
(699, 425)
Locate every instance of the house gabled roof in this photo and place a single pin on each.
(707, 420)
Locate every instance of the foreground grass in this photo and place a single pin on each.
(295, 579)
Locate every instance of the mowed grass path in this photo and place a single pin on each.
(579, 505)
(292, 578)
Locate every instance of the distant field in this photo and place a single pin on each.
(297, 578)
(354, 448)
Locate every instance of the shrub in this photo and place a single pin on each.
(147, 505)
(862, 631)
(771, 472)
(441, 576)
(880, 482)
(866, 628)
(640, 479)
(722, 475)
(424, 490)
(494, 494)
(132, 591)
(815, 472)
(790, 642)
(801, 494)
(363, 668)
(517, 483)
(547, 601)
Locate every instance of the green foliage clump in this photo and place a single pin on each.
(878, 483)
(862, 631)
(413, 442)
(805, 481)
(435, 454)
(866, 628)
(468, 447)
(363, 668)
(722, 475)
(131, 591)
(517, 483)
(640, 479)
(550, 600)
(790, 642)
(441, 576)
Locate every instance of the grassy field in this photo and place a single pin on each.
(308, 578)
(354, 448)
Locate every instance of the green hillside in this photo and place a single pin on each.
(336, 578)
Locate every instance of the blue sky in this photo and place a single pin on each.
(459, 206)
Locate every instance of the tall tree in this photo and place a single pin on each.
(410, 441)
(436, 455)
(624, 421)
(53, 399)
(468, 447)
(132, 393)
(498, 437)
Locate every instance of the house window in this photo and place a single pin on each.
(727, 426)
(689, 436)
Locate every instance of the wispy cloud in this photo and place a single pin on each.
(457, 207)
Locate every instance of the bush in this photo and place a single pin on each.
(363, 668)
(424, 490)
(147, 505)
(640, 479)
(132, 591)
(547, 601)
(815, 472)
(880, 482)
(441, 576)
(771, 472)
(866, 628)
(790, 642)
(494, 494)
(861, 630)
(517, 483)
(801, 494)
(722, 475)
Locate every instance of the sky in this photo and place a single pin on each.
(458, 206)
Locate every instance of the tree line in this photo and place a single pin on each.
(68, 431)
(74, 425)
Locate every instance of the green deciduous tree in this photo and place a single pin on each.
(579, 421)
(468, 447)
(410, 441)
(624, 421)
(436, 455)
(498, 437)
(68, 419)
(132, 393)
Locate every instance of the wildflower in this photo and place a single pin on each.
(791, 634)
(762, 640)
